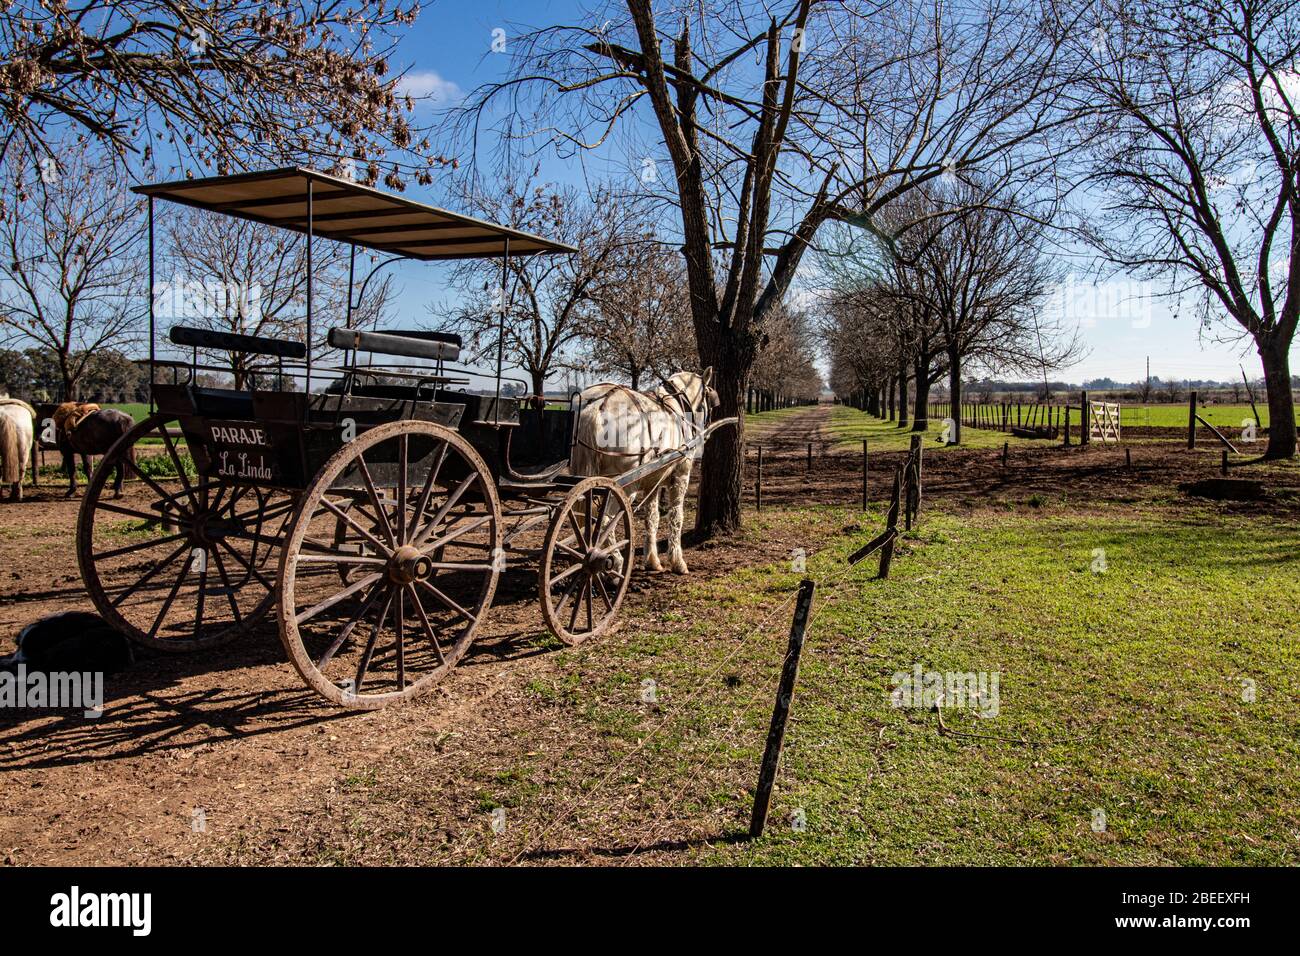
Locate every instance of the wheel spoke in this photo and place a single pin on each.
(157, 488)
(140, 546)
(577, 531)
(428, 627)
(149, 576)
(180, 469)
(203, 593)
(364, 663)
(427, 491)
(362, 610)
(448, 602)
(577, 605)
(399, 628)
(455, 533)
(171, 597)
(383, 548)
(572, 590)
(230, 591)
(374, 497)
(128, 512)
(246, 565)
(343, 595)
(604, 593)
(567, 572)
(340, 559)
(446, 507)
(458, 566)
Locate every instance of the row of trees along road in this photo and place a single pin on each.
(958, 289)
(1175, 125)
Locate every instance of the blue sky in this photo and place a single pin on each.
(1122, 323)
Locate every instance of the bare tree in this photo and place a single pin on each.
(73, 267)
(642, 311)
(547, 299)
(1191, 163)
(234, 275)
(223, 83)
(989, 279)
(785, 363)
(773, 124)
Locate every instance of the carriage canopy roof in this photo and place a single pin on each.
(349, 212)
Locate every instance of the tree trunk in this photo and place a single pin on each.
(902, 396)
(723, 466)
(1281, 405)
(890, 396)
(921, 416)
(954, 391)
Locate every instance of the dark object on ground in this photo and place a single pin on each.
(68, 642)
(1038, 431)
(1225, 489)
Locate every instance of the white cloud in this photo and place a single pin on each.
(429, 87)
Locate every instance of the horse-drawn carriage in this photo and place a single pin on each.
(374, 516)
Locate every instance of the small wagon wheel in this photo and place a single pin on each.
(369, 627)
(587, 560)
(183, 561)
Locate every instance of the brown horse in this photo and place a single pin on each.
(86, 429)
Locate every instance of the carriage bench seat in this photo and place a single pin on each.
(234, 342)
(410, 343)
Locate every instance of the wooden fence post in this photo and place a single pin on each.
(1006, 446)
(912, 508)
(864, 474)
(891, 524)
(1191, 421)
(1085, 420)
(781, 710)
(1225, 461)
(1066, 442)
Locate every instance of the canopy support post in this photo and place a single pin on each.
(501, 328)
(152, 357)
(310, 184)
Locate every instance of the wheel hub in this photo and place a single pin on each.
(409, 564)
(598, 561)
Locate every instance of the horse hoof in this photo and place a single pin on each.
(679, 567)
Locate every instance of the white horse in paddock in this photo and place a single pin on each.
(17, 431)
(619, 429)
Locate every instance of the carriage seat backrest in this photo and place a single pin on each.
(410, 343)
(234, 342)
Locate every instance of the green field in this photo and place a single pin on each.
(1146, 710)
(850, 426)
(137, 410)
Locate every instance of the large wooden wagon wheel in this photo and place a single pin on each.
(179, 563)
(367, 627)
(587, 560)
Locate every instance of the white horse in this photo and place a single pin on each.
(619, 429)
(17, 430)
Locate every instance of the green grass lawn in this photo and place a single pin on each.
(1137, 679)
(1175, 416)
(849, 426)
(1149, 708)
(137, 410)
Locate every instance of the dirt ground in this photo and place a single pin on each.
(230, 742)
